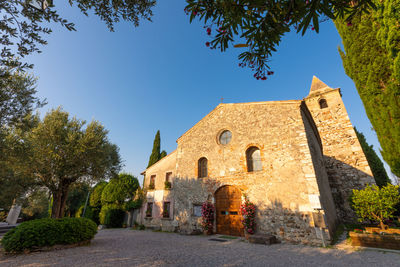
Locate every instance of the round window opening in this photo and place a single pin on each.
(225, 137)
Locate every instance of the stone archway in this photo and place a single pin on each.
(227, 208)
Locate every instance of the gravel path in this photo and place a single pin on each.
(125, 247)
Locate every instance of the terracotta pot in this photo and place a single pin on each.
(246, 235)
(208, 232)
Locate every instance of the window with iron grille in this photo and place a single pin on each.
(166, 209)
(149, 210)
(152, 182)
(202, 168)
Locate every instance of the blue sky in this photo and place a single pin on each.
(162, 76)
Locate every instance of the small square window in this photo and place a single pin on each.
(197, 210)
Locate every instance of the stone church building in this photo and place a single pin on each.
(296, 160)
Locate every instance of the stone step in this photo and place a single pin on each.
(263, 239)
(6, 228)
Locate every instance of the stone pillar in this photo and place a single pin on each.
(13, 214)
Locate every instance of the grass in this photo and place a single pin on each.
(339, 231)
(228, 237)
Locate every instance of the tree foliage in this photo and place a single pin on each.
(259, 25)
(76, 198)
(371, 59)
(374, 203)
(23, 26)
(62, 153)
(35, 205)
(120, 189)
(155, 153)
(95, 196)
(374, 162)
(17, 101)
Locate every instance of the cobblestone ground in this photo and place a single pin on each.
(124, 247)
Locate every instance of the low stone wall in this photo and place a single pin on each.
(375, 240)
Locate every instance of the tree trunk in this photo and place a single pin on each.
(383, 226)
(59, 200)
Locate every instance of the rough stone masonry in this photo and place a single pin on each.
(296, 160)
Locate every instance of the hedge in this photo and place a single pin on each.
(34, 234)
(88, 213)
(114, 218)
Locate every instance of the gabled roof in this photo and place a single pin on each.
(281, 102)
(318, 87)
(144, 172)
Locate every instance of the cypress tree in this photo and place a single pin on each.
(163, 154)
(375, 163)
(371, 59)
(155, 153)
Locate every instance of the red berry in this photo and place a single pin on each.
(312, 28)
(207, 44)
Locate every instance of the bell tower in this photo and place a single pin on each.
(345, 162)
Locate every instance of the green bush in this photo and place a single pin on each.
(104, 210)
(375, 204)
(48, 232)
(114, 218)
(88, 213)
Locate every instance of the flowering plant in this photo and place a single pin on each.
(207, 214)
(248, 211)
(360, 231)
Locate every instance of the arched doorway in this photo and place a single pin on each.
(227, 207)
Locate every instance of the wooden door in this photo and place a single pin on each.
(228, 200)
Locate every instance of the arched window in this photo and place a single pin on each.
(322, 103)
(253, 159)
(202, 172)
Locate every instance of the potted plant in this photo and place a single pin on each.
(165, 214)
(151, 186)
(248, 211)
(377, 205)
(167, 185)
(207, 214)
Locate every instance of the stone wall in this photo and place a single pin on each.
(159, 194)
(286, 191)
(346, 164)
(318, 165)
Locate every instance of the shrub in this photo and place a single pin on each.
(48, 232)
(207, 214)
(3, 216)
(114, 218)
(104, 210)
(374, 203)
(248, 211)
(133, 204)
(88, 213)
(167, 185)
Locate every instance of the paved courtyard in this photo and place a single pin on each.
(125, 247)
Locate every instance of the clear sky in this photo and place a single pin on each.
(161, 76)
